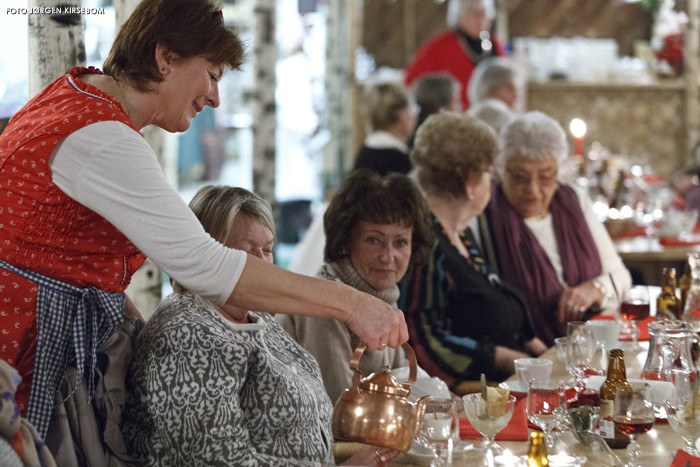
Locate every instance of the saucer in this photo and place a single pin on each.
(515, 387)
(423, 456)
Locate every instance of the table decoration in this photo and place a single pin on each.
(515, 430)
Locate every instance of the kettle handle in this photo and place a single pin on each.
(355, 361)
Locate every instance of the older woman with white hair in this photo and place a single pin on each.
(494, 78)
(493, 92)
(548, 241)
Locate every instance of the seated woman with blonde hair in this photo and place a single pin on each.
(391, 120)
(221, 385)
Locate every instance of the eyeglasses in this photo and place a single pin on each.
(523, 180)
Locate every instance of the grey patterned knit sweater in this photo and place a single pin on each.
(207, 392)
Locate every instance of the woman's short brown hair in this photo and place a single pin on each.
(189, 28)
(367, 196)
(448, 149)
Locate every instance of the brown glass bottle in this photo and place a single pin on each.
(617, 378)
(537, 452)
(684, 285)
(668, 303)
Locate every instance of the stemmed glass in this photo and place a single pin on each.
(439, 430)
(546, 407)
(488, 418)
(633, 415)
(633, 309)
(580, 346)
(684, 418)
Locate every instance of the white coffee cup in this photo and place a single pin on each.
(532, 368)
(607, 331)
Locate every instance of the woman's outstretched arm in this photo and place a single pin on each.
(265, 287)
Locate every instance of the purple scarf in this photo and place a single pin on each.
(524, 263)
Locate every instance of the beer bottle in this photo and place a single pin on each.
(617, 378)
(537, 452)
(668, 303)
(684, 285)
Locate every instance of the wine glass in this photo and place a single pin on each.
(633, 415)
(546, 407)
(439, 430)
(488, 418)
(579, 351)
(684, 418)
(633, 309)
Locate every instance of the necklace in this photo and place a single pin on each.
(475, 49)
(537, 217)
(126, 101)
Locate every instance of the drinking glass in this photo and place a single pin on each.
(439, 430)
(634, 415)
(633, 309)
(488, 419)
(684, 418)
(546, 407)
(579, 351)
(560, 343)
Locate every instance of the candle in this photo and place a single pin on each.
(578, 131)
(509, 460)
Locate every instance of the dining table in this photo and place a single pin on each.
(647, 255)
(658, 446)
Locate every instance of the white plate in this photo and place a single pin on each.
(514, 386)
(423, 456)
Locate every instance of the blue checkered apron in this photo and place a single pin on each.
(71, 323)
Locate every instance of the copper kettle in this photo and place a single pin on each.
(376, 410)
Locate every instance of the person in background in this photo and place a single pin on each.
(459, 50)
(494, 78)
(548, 240)
(85, 201)
(463, 320)
(392, 121)
(238, 369)
(493, 92)
(435, 92)
(375, 228)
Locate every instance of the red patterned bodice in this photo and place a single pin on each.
(41, 228)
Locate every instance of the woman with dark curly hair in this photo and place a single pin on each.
(375, 228)
(462, 319)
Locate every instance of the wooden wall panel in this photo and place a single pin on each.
(387, 37)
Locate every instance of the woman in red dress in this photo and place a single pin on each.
(84, 201)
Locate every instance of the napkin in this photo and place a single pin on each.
(675, 241)
(638, 231)
(643, 330)
(683, 459)
(516, 430)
